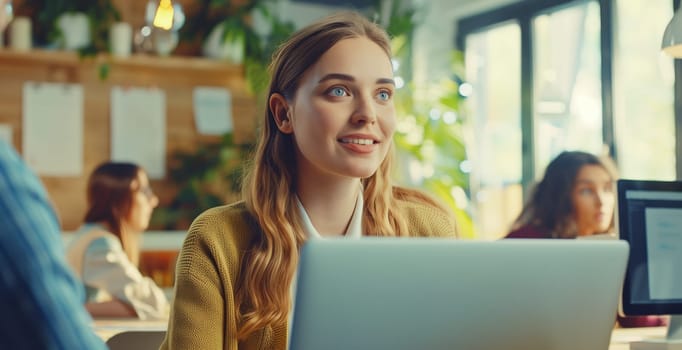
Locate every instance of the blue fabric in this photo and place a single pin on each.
(41, 302)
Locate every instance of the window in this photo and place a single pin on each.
(643, 92)
(567, 101)
(496, 125)
(560, 75)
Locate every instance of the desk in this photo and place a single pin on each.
(621, 337)
(107, 328)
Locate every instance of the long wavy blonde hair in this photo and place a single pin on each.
(263, 293)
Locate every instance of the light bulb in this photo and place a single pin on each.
(164, 15)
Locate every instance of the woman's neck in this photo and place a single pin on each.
(329, 203)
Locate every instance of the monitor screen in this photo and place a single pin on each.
(650, 219)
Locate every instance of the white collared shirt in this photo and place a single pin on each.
(354, 229)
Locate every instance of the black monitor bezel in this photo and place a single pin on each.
(628, 306)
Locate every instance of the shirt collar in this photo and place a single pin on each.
(354, 229)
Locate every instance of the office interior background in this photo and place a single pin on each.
(494, 89)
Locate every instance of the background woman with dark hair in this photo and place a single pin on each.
(575, 198)
(105, 251)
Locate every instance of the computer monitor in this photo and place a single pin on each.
(650, 219)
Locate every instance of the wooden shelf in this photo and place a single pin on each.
(71, 58)
(176, 76)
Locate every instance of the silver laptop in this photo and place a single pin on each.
(438, 294)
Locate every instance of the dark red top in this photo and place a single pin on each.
(527, 232)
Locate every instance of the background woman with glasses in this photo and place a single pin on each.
(106, 249)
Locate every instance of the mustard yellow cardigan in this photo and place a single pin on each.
(203, 311)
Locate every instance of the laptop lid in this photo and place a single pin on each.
(437, 294)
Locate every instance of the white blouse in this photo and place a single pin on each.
(354, 229)
(107, 273)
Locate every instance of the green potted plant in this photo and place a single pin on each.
(51, 17)
(207, 177)
(429, 136)
(226, 30)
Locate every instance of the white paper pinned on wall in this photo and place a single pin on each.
(52, 130)
(138, 128)
(212, 110)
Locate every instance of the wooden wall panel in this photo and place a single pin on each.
(176, 76)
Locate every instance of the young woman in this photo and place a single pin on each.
(575, 198)
(105, 251)
(321, 169)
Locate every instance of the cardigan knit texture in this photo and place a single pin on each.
(203, 313)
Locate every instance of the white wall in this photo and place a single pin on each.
(435, 38)
(301, 13)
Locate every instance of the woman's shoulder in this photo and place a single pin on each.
(427, 217)
(225, 215)
(232, 222)
(217, 237)
(91, 241)
(89, 230)
(410, 204)
(91, 236)
(105, 242)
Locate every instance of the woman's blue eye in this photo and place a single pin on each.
(337, 92)
(384, 95)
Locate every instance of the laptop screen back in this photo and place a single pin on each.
(437, 294)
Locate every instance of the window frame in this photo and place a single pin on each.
(523, 13)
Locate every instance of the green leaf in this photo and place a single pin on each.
(104, 70)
